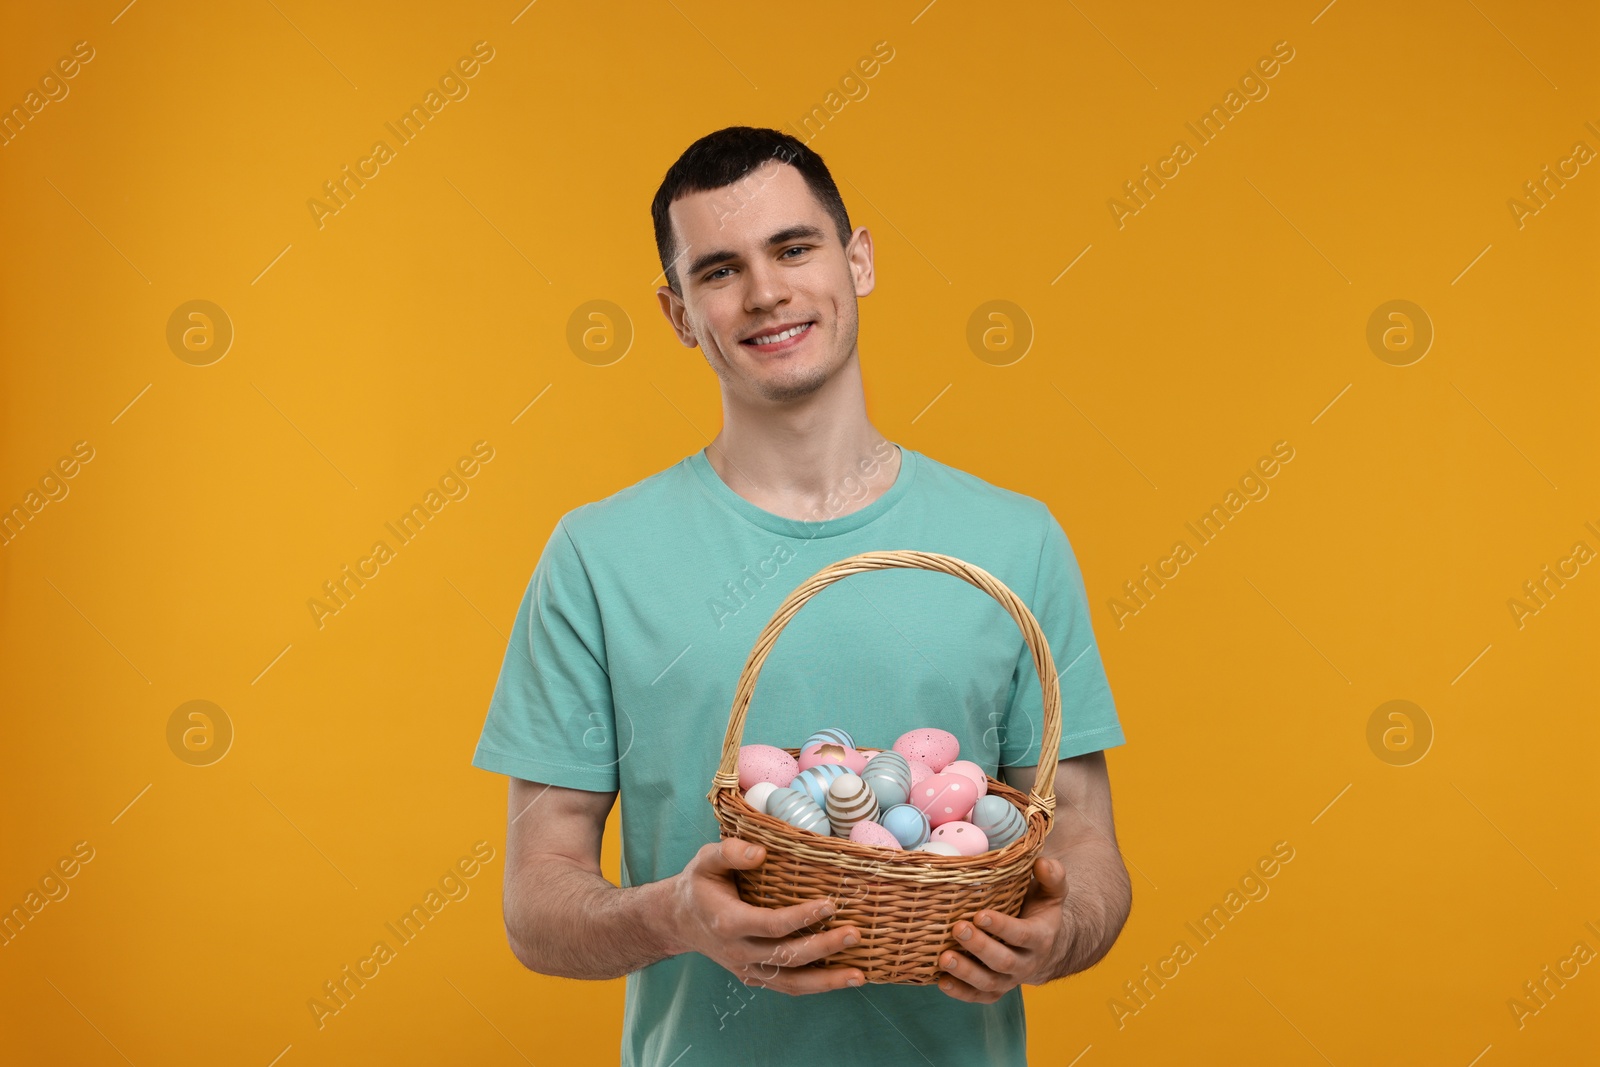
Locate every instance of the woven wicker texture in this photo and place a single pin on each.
(905, 904)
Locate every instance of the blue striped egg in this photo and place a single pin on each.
(888, 774)
(830, 736)
(814, 781)
(999, 820)
(769, 797)
(849, 802)
(798, 810)
(908, 824)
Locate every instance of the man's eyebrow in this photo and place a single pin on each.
(791, 233)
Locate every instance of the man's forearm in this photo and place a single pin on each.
(571, 923)
(1099, 897)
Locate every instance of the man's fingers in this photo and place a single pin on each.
(795, 951)
(997, 955)
(733, 854)
(1019, 932)
(797, 981)
(781, 922)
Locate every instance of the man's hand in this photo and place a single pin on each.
(754, 943)
(1002, 952)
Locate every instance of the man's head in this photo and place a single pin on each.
(754, 238)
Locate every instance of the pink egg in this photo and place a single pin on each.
(964, 837)
(765, 763)
(934, 747)
(945, 798)
(920, 772)
(871, 833)
(828, 752)
(971, 770)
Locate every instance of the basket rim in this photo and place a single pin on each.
(891, 865)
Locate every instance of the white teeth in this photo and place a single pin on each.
(772, 339)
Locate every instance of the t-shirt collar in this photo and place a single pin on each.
(801, 528)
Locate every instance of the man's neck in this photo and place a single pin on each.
(804, 468)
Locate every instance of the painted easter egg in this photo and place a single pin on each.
(888, 774)
(799, 810)
(849, 802)
(971, 770)
(999, 820)
(772, 797)
(830, 736)
(814, 781)
(908, 824)
(944, 797)
(828, 752)
(937, 847)
(964, 837)
(871, 833)
(765, 763)
(936, 748)
(758, 794)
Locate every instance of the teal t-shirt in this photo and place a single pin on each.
(620, 674)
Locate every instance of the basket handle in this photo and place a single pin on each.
(1043, 795)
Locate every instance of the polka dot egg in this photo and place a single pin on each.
(945, 798)
(964, 837)
(971, 770)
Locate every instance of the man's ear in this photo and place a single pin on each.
(858, 253)
(677, 313)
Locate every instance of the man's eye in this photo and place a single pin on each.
(796, 248)
(713, 275)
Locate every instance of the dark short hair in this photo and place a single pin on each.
(719, 159)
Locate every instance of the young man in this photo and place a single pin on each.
(644, 606)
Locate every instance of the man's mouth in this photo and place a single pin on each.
(779, 338)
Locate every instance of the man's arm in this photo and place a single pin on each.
(562, 917)
(1083, 839)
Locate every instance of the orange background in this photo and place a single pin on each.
(369, 354)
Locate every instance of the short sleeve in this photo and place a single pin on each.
(1088, 714)
(551, 718)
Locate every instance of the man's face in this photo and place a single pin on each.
(754, 260)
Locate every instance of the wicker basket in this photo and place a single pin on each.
(904, 904)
